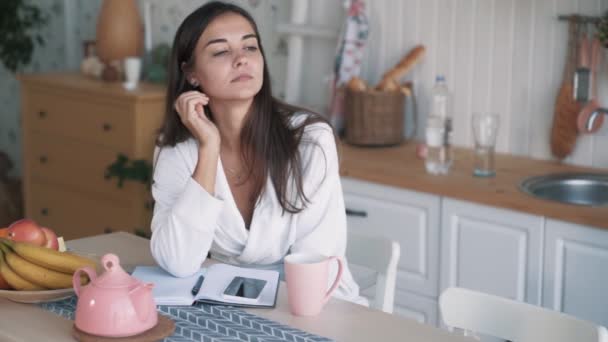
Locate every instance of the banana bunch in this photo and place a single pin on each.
(27, 267)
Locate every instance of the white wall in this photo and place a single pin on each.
(500, 55)
(505, 56)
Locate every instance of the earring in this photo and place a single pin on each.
(194, 83)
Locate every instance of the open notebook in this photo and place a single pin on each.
(223, 284)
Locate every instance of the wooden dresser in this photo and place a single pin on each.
(73, 129)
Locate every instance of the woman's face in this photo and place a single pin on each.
(228, 62)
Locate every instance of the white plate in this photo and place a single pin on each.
(36, 296)
(42, 296)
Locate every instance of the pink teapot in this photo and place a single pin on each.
(113, 304)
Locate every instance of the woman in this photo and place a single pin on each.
(238, 174)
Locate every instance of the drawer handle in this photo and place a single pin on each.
(358, 213)
(44, 211)
(42, 114)
(107, 230)
(106, 127)
(43, 159)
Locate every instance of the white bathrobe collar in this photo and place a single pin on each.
(233, 236)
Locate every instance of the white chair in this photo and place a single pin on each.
(380, 255)
(512, 320)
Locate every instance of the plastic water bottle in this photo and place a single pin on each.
(439, 130)
(438, 151)
(440, 96)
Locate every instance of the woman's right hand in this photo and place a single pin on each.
(190, 107)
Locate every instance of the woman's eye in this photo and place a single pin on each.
(251, 48)
(219, 53)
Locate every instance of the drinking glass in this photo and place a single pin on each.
(485, 130)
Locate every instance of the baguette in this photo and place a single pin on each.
(356, 84)
(388, 85)
(404, 65)
(406, 88)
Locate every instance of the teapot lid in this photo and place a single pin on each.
(114, 275)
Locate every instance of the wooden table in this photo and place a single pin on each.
(339, 320)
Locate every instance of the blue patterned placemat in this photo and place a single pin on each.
(211, 323)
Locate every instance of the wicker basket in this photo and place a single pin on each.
(374, 118)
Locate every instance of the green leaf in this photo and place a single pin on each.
(19, 24)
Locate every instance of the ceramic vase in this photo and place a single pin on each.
(119, 30)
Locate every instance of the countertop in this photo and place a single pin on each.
(399, 167)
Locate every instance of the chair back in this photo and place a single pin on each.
(513, 320)
(380, 255)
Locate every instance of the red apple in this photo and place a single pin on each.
(26, 230)
(3, 284)
(51, 238)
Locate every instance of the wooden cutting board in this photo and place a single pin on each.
(164, 328)
(564, 131)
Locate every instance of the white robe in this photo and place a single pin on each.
(189, 222)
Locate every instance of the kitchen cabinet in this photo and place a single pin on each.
(73, 129)
(492, 236)
(419, 308)
(412, 219)
(576, 270)
(491, 250)
(447, 242)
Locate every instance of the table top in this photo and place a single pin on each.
(339, 320)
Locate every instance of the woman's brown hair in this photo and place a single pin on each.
(269, 141)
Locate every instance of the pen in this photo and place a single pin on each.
(197, 286)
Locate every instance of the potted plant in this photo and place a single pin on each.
(20, 22)
(602, 29)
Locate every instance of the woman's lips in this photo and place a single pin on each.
(242, 77)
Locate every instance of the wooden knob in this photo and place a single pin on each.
(107, 230)
(42, 114)
(107, 127)
(44, 211)
(43, 159)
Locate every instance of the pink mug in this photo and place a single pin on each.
(307, 276)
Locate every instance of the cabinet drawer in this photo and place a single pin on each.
(65, 161)
(74, 215)
(407, 217)
(100, 123)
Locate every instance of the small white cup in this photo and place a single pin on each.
(132, 67)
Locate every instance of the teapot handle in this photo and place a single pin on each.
(76, 278)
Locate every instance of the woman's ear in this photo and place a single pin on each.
(189, 75)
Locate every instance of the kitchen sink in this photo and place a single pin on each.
(586, 189)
